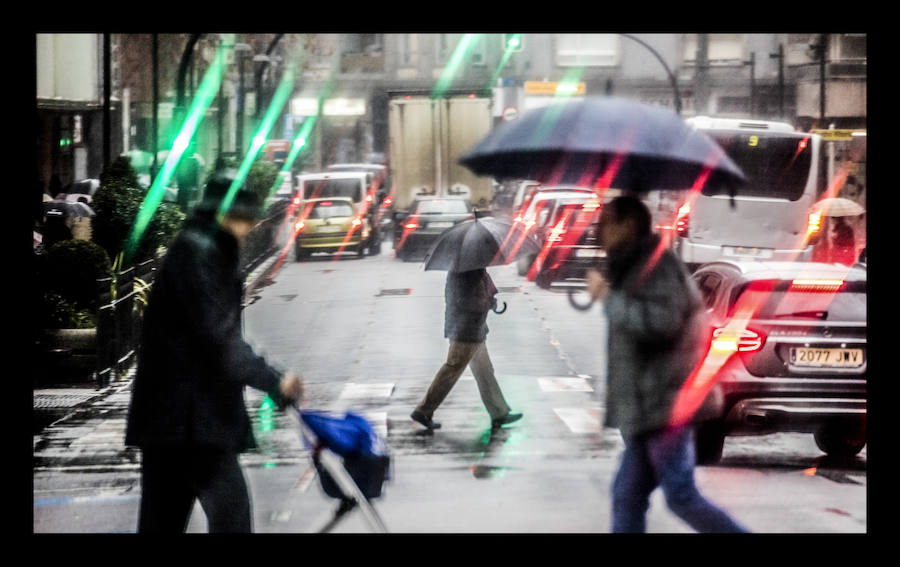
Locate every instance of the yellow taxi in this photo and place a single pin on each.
(333, 224)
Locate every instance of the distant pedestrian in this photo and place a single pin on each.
(187, 412)
(654, 342)
(468, 297)
(843, 243)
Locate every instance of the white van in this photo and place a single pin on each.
(769, 216)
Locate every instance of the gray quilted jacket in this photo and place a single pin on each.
(657, 334)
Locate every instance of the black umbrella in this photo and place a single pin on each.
(603, 142)
(479, 243)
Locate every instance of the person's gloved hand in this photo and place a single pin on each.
(291, 388)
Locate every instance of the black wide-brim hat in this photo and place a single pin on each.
(246, 204)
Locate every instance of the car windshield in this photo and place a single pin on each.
(320, 188)
(442, 206)
(813, 302)
(331, 209)
(775, 165)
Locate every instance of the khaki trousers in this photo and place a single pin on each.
(460, 354)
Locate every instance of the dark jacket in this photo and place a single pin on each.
(468, 296)
(194, 363)
(656, 336)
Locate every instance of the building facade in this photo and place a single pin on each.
(814, 81)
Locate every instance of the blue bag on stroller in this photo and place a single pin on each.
(364, 458)
(352, 437)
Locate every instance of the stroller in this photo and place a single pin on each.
(351, 460)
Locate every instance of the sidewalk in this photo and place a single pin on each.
(61, 402)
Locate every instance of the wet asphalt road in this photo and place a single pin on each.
(367, 335)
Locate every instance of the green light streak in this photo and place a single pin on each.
(503, 61)
(569, 84)
(285, 87)
(465, 45)
(206, 93)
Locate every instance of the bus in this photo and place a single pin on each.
(768, 218)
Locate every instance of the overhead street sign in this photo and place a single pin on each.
(834, 135)
(552, 88)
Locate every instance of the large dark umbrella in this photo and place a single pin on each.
(604, 142)
(479, 243)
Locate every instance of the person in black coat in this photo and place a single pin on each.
(187, 412)
(468, 297)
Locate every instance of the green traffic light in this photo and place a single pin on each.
(513, 42)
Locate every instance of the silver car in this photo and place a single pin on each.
(799, 361)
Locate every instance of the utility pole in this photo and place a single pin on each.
(155, 120)
(700, 75)
(752, 63)
(780, 57)
(823, 47)
(107, 93)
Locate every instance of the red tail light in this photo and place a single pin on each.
(814, 224)
(412, 225)
(727, 340)
(297, 200)
(388, 201)
(823, 285)
(682, 219)
(355, 223)
(299, 226)
(556, 234)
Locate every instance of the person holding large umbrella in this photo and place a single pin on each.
(657, 329)
(465, 251)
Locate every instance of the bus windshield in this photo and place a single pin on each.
(776, 166)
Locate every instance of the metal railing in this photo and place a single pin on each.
(119, 320)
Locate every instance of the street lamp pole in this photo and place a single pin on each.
(240, 48)
(671, 75)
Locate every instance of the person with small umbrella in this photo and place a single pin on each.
(839, 242)
(469, 294)
(656, 328)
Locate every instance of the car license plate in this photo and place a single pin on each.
(440, 224)
(590, 253)
(747, 252)
(827, 357)
(329, 228)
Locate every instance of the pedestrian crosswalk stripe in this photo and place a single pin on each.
(580, 420)
(378, 419)
(353, 390)
(564, 384)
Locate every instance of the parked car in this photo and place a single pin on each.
(330, 225)
(799, 364)
(428, 219)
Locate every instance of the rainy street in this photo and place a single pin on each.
(660, 229)
(366, 333)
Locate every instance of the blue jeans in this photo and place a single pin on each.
(663, 458)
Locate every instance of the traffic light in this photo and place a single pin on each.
(512, 41)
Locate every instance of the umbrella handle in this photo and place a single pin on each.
(576, 305)
(502, 310)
